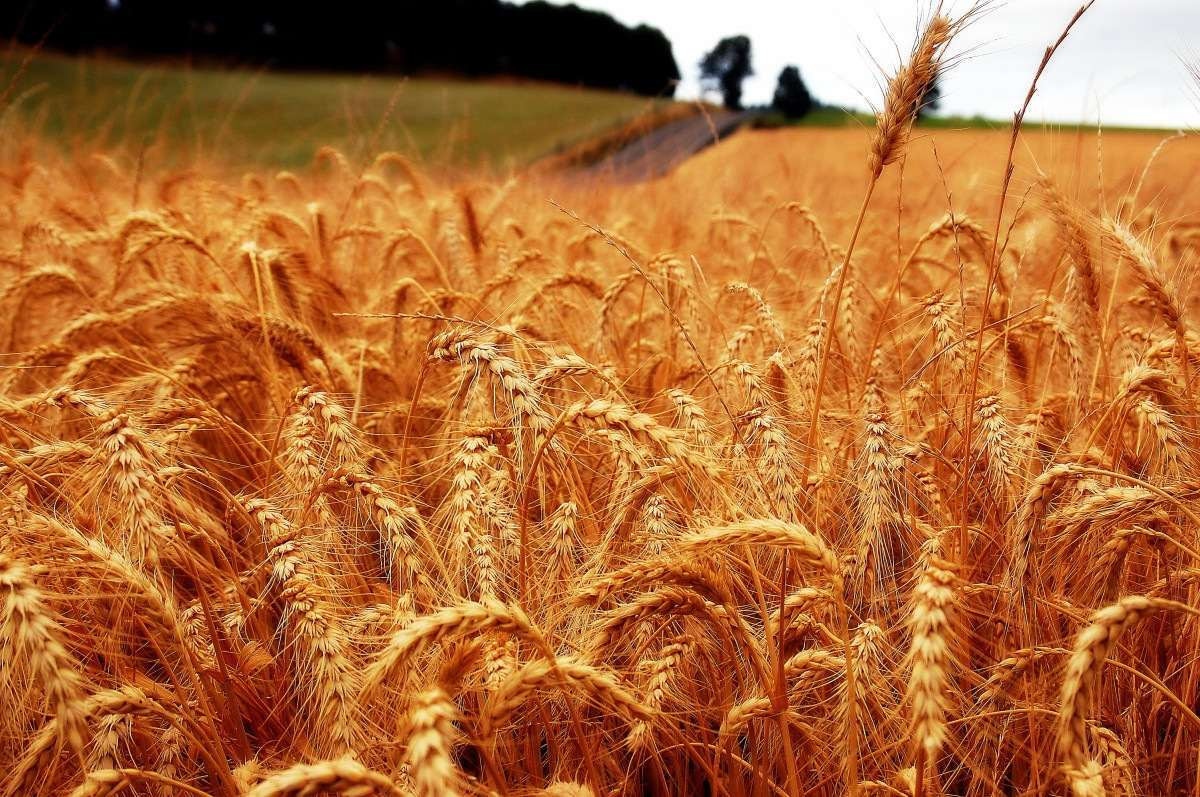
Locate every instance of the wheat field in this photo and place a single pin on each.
(357, 480)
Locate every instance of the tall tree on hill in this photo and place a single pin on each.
(725, 67)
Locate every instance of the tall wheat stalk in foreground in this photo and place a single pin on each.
(906, 90)
(361, 480)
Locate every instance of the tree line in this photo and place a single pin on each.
(476, 38)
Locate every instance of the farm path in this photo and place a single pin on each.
(658, 152)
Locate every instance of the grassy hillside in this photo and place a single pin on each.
(282, 119)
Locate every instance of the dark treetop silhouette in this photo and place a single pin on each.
(931, 101)
(792, 97)
(726, 67)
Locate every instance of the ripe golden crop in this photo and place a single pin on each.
(359, 480)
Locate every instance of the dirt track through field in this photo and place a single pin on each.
(658, 152)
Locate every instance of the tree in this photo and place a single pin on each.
(726, 67)
(791, 95)
(932, 99)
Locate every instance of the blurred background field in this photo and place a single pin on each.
(174, 113)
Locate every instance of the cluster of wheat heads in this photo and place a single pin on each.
(359, 482)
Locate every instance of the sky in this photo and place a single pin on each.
(1124, 63)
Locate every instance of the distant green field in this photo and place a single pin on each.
(829, 116)
(281, 119)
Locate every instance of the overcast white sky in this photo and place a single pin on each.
(1123, 63)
